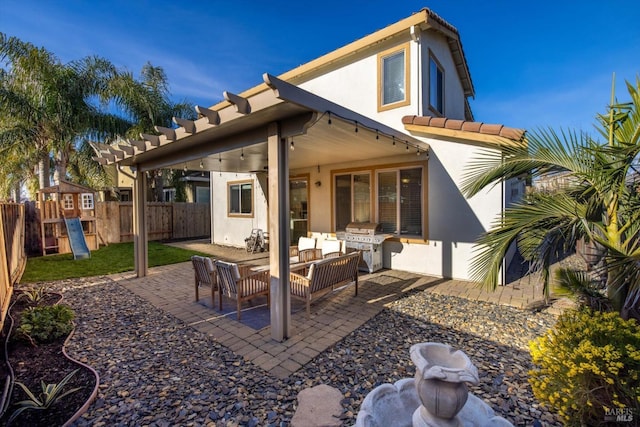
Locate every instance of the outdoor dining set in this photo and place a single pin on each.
(317, 267)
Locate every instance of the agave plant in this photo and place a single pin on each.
(51, 394)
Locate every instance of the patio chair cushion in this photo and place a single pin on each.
(306, 243)
(329, 246)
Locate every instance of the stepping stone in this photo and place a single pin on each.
(318, 406)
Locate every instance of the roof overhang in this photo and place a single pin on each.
(234, 138)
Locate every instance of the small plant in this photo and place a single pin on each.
(33, 295)
(51, 394)
(45, 324)
(588, 367)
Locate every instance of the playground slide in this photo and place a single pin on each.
(76, 238)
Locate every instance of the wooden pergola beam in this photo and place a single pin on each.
(189, 126)
(169, 133)
(212, 116)
(241, 104)
(154, 140)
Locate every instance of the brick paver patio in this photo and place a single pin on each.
(170, 288)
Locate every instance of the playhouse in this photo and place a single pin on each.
(65, 209)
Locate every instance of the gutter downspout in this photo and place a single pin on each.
(414, 32)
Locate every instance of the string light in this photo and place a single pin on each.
(356, 127)
(292, 146)
(329, 121)
(201, 165)
(219, 158)
(377, 134)
(407, 147)
(242, 154)
(394, 140)
(417, 152)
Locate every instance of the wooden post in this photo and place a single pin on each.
(140, 243)
(278, 153)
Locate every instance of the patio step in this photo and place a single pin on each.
(318, 406)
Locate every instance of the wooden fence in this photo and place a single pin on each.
(165, 221)
(12, 254)
(114, 222)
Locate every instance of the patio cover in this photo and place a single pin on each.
(253, 132)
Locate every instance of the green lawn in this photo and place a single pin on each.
(114, 258)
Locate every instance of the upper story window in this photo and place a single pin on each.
(393, 78)
(436, 86)
(240, 196)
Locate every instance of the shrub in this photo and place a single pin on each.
(46, 323)
(588, 367)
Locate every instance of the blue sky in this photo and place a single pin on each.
(533, 64)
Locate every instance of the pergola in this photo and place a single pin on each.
(254, 133)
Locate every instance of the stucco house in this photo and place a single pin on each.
(378, 131)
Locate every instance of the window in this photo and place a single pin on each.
(87, 201)
(67, 201)
(393, 78)
(240, 198)
(169, 194)
(395, 200)
(202, 195)
(353, 199)
(436, 86)
(400, 201)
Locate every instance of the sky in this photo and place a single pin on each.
(534, 64)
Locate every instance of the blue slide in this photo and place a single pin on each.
(76, 238)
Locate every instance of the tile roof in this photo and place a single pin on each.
(467, 126)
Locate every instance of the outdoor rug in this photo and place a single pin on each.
(255, 313)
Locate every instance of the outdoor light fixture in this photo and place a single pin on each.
(185, 167)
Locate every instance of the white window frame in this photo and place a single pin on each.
(170, 194)
(382, 57)
(87, 202)
(67, 202)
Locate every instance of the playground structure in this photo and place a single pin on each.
(67, 220)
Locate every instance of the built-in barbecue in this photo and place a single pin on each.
(366, 237)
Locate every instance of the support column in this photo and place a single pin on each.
(278, 152)
(140, 242)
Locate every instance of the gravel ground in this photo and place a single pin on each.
(157, 371)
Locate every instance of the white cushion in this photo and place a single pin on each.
(331, 246)
(306, 243)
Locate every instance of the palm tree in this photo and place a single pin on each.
(48, 107)
(597, 204)
(147, 103)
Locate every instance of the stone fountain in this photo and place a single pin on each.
(437, 396)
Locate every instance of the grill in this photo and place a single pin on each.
(365, 236)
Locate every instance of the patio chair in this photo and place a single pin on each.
(304, 251)
(332, 248)
(241, 283)
(205, 275)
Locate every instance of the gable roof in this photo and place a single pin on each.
(491, 134)
(425, 19)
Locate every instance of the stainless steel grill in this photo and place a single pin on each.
(365, 236)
